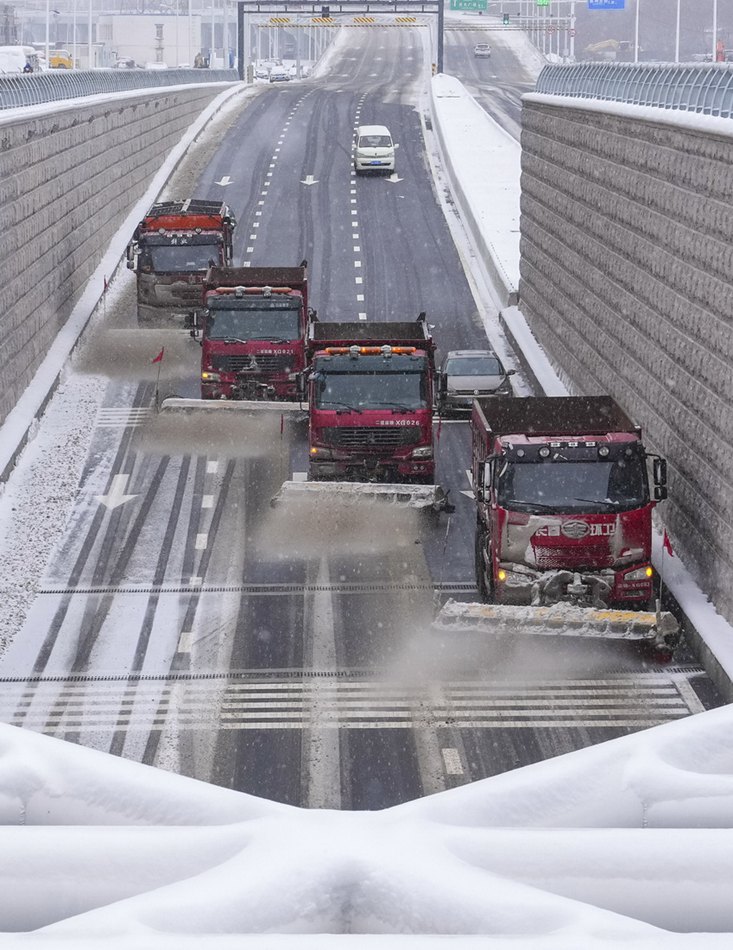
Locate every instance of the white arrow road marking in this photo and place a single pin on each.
(225, 180)
(309, 180)
(394, 178)
(116, 496)
(469, 474)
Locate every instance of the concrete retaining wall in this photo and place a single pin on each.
(626, 280)
(67, 179)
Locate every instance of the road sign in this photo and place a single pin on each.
(606, 4)
(543, 3)
(468, 4)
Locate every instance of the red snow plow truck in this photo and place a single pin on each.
(370, 413)
(564, 521)
(253, 328)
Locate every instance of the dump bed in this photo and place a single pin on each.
(554, 415)
(293, 277)
(187, 215)
(345, 333)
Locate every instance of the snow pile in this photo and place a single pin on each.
(483, 162)
(571, 852)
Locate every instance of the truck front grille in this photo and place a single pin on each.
(253, 363)
(371, 437)
(555, 558)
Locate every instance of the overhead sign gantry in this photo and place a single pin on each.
(330, 13)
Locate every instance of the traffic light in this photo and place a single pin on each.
(326, 13)
(505, 19)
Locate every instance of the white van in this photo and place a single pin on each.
(374, 150)
(14, 59)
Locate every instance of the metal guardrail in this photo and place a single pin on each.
(691, 87)
(29, 90)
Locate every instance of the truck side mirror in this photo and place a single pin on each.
(511, 372)
(659, 470)
(130, 253)
(301, 381)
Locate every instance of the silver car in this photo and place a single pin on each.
(482, 51)
(470, 374)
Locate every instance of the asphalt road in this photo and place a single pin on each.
(287, 652)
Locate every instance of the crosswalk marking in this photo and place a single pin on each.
(122, 417)
(620, 701)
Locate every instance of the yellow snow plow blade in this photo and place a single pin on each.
(176, 404)
(422, 497)
(660, 630)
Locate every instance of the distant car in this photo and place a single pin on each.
(60, 59)
(471, 374)
(279, 74)
(125, 64)
(482, 51)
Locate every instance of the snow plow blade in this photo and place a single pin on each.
(659, 630)
(422, 497)
(176, 404)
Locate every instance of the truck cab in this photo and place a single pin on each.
(370, 398)
(563, 497)
(253, 327)
(171, 250)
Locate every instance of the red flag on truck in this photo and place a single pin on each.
(159, 357)
(667, 544)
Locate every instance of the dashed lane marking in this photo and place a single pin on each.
(452, 762)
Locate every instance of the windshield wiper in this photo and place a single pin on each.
(599, 501)
(218, 339)
(515, 502)
(395, 406)
(337, 402)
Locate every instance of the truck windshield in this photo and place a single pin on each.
(182, 258)
(589, 486)
(372, 390)
(256, 320)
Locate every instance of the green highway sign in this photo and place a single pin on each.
(543, 3)
(468, 4)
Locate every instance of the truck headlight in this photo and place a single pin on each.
(640, 574)
(209, 377)
(318, 453)
(424, 452)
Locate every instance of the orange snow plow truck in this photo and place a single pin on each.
(171, 250)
